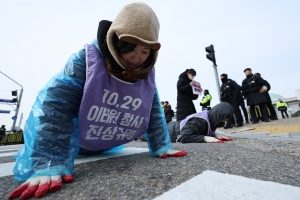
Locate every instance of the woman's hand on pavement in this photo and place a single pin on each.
(174, 153)
(209, 139)
(39, 186)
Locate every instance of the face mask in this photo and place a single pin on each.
(191, 77)
(223, 80)
(220, 124)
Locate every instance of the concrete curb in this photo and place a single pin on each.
(290, 136)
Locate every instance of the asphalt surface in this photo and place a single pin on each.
(140, 176)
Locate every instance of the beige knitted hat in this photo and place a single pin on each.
(136, 23)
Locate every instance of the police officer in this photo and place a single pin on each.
(282, 106)
(205, 103)
(230, 93)
(251, 87)
(2, 132)
(269, 103)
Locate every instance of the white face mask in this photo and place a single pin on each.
(191, 77)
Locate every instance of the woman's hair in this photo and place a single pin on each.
(126, 47)
(192, 72)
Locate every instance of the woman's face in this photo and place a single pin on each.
(136, 57)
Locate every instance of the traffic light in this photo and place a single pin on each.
(211, 54)
(14, 93)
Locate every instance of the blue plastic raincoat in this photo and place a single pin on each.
(51, 132)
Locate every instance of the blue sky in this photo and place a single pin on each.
(37, 37)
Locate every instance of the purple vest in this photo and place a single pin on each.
(112, 112)
(203, 115)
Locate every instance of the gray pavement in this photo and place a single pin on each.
(140, 176)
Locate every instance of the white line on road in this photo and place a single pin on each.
(212, 185)
(7, 168)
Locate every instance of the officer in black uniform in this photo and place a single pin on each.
(269, 104)
(230, 93)
(251, 87)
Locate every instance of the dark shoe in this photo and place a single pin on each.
(254, 122)
(274, 119)
(226, 127)
(247, 122)
(240, 125)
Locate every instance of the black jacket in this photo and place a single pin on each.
(266, 83)
(196, 128)
(168, 113)
(250, 89)
(185, 97)
(229, 90)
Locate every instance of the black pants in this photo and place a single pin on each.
(242, 105)
(285, 114)
(272, 110)
(237, 113)
(263, 110)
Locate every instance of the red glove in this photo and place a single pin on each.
(225, 139)
(174, 153)
(39, 186)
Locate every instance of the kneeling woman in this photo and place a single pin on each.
(201, 126)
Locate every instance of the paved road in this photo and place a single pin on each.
(271, 166)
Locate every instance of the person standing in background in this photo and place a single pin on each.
(230, 93)
(282, 106)
(168, 112)
(271, 108)
(205, 103)
(251, 86)
(185, 95)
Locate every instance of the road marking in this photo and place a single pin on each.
(212, 185)
(7, 168)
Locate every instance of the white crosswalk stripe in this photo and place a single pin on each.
(6, 168)
(212, 185)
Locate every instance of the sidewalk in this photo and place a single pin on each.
(282, 129)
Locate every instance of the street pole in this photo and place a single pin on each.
(19, 101)
(20, 120)
(217, 81)
(17, 110)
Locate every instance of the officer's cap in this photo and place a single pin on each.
(247, 69)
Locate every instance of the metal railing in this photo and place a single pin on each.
(11, 138)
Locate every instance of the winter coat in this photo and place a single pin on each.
(168, 113)
(229, 90)
(196, 128)
(250, 89)
(51, 131)
(266, 83)
(185, 97)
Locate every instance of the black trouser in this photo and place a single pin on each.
(263, 110)
(236, 111)
(272, 110)
(285, 114)
(242, 105)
